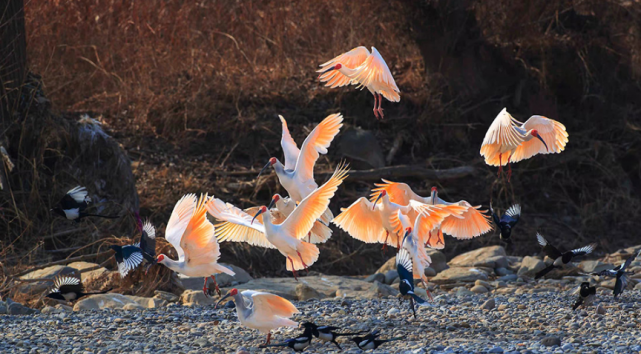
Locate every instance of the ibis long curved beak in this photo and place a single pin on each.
(433, 197)
(328, 70)
(264, 168)
(546, 145)
(221, 300)
(407, 233)
(258, 213)
(271, 204)
(380, 195)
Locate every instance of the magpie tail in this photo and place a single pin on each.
(103, 216)
(577, 303)
(349, 334)
(544, 271)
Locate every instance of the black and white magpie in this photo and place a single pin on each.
(621, 275)
(507, 221)
(404, 267)
(72, 206)
(586, 295)
(560, 259)
(68, 288)
(298, 344)
(370, 341)
(327, 333)
(130, 257)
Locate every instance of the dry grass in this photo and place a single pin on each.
(192, 88)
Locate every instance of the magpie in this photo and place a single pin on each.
(327, 333)
(72, 206)
(621, 275)
(298, 344)
(507, 222)
(560, 259)
(586, 295)
(68, 288)
(404, 267)
(130, 257)
(370, 341)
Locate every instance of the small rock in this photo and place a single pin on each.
(551, 341)
(16, 308)
(167, 296)
(508, 278)
(479, 289)
(389, 265)
(305, 292)
(133, 306)
(530, 265)
(478, 257)
(390, 276)
(380, 290)
(600, 310)
(439, 261)
(3, 309)
(567, 347)
(489, 304)
(502, 307)
(462, 291)
(501, 271)
(195, 298)
(393, 312)
(483, 283)
(379, 277)
(496, 350)
(459, 274)
(429, 272)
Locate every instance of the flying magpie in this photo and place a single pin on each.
(586, 295)
(621, 275)
(327, 333)
(72, 206)
(370, 341)
(130, 257)
(68, 288)
(560, 259)
(507, 222)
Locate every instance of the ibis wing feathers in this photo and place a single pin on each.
(361, 222)
(180, 217)
(502, 135)
(199, 239)
(237, 225)
(373, 72)
(433, 216)
(267, 305)
(290, 149)
(315, 144)
(551, 131)
(351, 59)
(302, 219)
(399, 193)
(471, 223)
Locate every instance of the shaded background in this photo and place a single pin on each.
(191, 91)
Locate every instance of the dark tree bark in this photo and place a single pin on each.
(13, 56)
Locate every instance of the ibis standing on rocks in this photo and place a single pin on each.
(327, 333)
(619, 272)
(404, 267)
(469, 223)
(262, 311)
(286, 236)
(365, 69)
(129, 257)
(586, 295)
(507, 222)
(560, 259)
(371, 341)
(297, 175)
(73, 205)
(193, 237)
(508, 140)
(69, 288)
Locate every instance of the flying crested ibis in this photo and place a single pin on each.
(508, 140)
(365, 69)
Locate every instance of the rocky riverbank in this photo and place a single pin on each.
(484, 301)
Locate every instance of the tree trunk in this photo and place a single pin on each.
(13, 56)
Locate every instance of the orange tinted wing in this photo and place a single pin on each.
(501, 136)
(267, 305)
(180, 218)
(399, 193)
(302, 219)
(551, 131)
(237, 225)
(431, 216)
(290, 149)
(351, 59)
(470, 224)
(361, 222)
(199, 240)
(373, 72)
(317, 143)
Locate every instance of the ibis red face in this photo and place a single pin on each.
(380, 195)
(275, 198)
(408, 231)
(434, 192)
(335, 67)
(535, 133)
(231, 292)
(160, 258)
(260, 211)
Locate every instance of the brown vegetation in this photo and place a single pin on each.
(192, 89)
